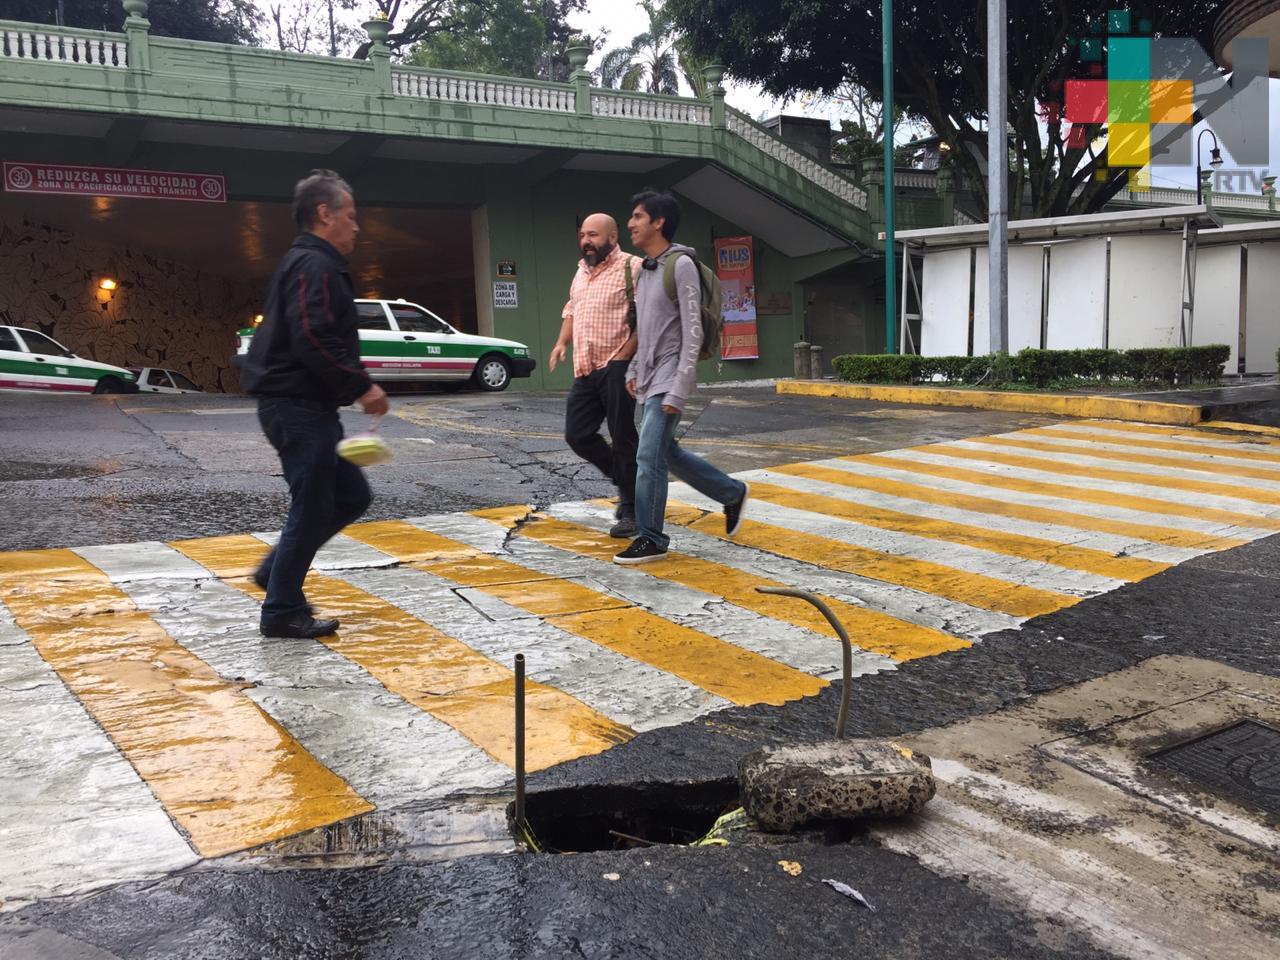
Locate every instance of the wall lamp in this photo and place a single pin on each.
(106, 290)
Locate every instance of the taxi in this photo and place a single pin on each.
(30, 360)
(401, 342)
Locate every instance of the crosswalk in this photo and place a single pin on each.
(152, 727)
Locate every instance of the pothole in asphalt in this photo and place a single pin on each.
(618, 817)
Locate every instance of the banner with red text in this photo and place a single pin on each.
(735, 266)
(114, 182)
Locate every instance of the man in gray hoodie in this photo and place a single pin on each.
(662, 376)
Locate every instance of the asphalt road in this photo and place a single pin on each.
(88, 471)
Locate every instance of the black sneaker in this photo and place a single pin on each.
(624, 529)
(642, 550)
(303, 626)
(733, 513)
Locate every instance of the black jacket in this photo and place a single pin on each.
(308, 346)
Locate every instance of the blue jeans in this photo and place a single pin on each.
(658, 453)
(326, 493)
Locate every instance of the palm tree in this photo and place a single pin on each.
(655, 60)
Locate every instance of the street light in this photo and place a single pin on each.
(1215, 161)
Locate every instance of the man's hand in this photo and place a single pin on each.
(631, 388)
(667, 408)
(557, 354)
(374, 401)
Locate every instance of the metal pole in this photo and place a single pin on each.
(903, 323)
(847, 686)
(333, 37)
(890, 258)
(519, 739)
(998, 172)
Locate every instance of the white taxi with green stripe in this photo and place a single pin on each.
(401, 342)
(30, 360)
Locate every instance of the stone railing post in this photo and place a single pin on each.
(873, 180)
(579, 54)
(713, 73)
(380, 53)
(137, 31)
(946, 187)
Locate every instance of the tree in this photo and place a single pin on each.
(655, 59)
(940, 75)
(517, 38)
(303, 26)
(221, 21)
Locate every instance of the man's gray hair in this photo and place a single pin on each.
(317, 187)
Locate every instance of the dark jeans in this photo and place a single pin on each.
(326, 493)
(593, 399)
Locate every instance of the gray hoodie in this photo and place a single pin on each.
(670, 335)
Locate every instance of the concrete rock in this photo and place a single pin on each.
(785, 786)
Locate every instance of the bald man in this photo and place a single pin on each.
(596, 322)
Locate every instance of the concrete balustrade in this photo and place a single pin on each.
(21, 41)
(490, 91)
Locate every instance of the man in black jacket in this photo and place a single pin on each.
(303, 364)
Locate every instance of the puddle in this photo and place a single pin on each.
(17, 470)
(446, 830)
(618, 817)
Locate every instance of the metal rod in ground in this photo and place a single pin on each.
(847, 686)
(519, 739)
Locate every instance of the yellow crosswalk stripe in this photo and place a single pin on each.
(227, 773)
(868, 629)
(963, 501)
(996, 541)
(435, 672)
(1153, 459)
(1142, 441)
(1270, 497)
(1151, 430)
(1081, 494)
(974, 589)
(738, 675)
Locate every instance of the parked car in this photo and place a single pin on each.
(29, 360)
(159, 380)
(401, 342)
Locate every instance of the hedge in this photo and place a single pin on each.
(1042, 368)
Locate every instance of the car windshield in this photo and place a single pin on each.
(39, 343)
(181, 382)
(416, 320)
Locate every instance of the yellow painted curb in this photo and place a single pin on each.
(1054, 404)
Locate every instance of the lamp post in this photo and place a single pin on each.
(890, 257)
(1215, 161)
(998, 175)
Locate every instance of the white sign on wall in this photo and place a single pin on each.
(505, 294)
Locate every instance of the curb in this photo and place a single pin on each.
(1056, 404)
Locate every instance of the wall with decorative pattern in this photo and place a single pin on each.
(163, 314)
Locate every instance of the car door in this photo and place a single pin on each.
(428, 353)
(379, 342)
(182, 384)
(48, 365)
(14, 361)
(156, 380)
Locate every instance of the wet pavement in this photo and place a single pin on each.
(433, 878)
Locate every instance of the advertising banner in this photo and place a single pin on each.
(735, 266)
(114, 182)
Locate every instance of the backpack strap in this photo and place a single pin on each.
(669, 277)
(629, 285)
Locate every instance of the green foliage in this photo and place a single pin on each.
(220, 21)
(797, 46)
(655, 59)
(1043, 368)
(514, 38)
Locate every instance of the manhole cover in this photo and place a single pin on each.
(1242, 762)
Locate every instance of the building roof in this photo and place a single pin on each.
(1159, 220)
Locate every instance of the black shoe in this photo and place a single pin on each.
(733, 513)
(642, 550)
(624, 529)
(303, 626)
